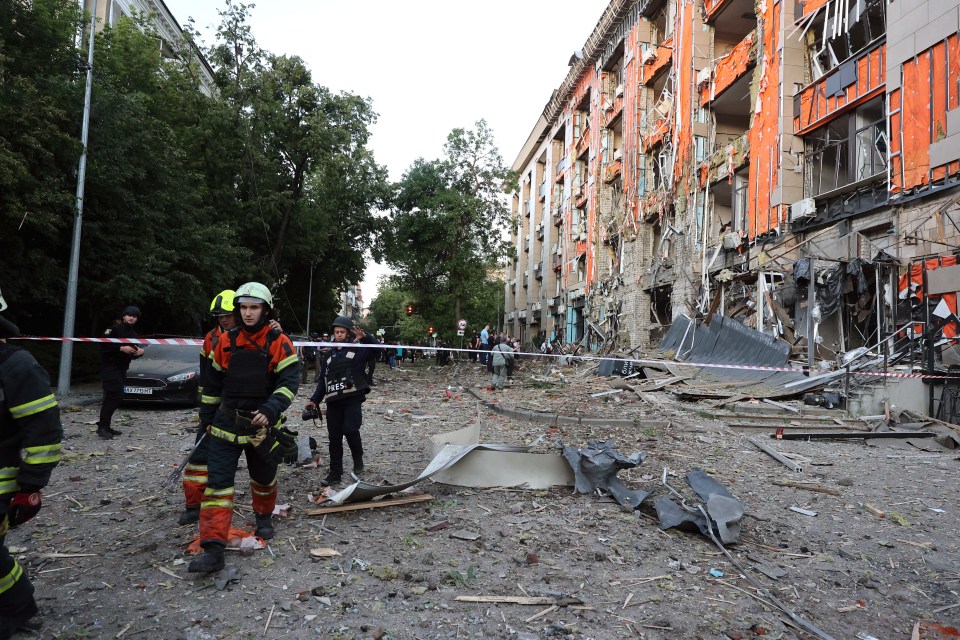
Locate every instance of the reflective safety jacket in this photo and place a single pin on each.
(206, 354)
(251, 371)
(343, 372)
(30, 429)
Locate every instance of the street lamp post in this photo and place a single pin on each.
(70, 311)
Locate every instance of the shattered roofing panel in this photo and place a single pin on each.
(727, 341)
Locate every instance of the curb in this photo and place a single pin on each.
(550, 418)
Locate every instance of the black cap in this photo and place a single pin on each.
(131, 311)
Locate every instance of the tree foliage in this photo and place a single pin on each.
(444, 237)
(186, 193)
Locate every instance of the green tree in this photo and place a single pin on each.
(307, 182)
(39, 145)
(447, 222)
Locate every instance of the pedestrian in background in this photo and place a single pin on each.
(484, 344)
(500, 356)
(308, 360)
(115, 360)
(473, 346)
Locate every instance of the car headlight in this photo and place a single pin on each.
(182, 377)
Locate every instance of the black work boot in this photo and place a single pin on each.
(264, 527)
(190, 515)
(104, 432)
(210, 560)
(21, 621)
(358, 464)
(332, 478)
(115, 432)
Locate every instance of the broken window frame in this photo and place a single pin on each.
(740, 202)
(835, 151)
(826, 51)
(662, 22)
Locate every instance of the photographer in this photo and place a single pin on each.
(343, 386)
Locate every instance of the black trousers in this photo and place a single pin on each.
(202, 452)
(223, 458)
(18, 594)
(343, 421)
(111, 377)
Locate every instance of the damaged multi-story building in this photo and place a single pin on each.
(791, 164)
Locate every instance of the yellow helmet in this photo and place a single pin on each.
(254, 292)
(222, 304)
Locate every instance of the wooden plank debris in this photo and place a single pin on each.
(524, 600)
(808, 487)
(373, 504)
(872, 509)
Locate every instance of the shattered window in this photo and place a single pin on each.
(834, 36)
(848, 150)
(741, 203)
(663, 23)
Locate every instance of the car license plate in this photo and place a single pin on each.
(138, 390)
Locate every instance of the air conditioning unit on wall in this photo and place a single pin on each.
(704, 75)
(803, 209)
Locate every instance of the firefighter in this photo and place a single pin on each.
(30, 436)
(113, 368)
(253, 377)
(195, 473)
(343, 386)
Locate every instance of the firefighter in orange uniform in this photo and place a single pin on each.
(254, 376)
(195, 473)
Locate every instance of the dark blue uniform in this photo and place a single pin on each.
(343, 386)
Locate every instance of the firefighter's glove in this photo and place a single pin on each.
(288, 442)
(266, 445)
(23, 507)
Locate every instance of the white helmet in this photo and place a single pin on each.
(253, 292)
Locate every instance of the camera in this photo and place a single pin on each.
(310, 413)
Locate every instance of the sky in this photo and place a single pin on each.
(428, 66)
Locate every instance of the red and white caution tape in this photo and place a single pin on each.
(405, 347)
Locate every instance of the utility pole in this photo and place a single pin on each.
(309, 300)
(70, 311)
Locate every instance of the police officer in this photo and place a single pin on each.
(115, 360)
(254, 375)
(343, 386)
(29, 423)
(195, 473)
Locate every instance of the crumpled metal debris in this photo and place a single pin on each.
(724, 509)
(596, 467)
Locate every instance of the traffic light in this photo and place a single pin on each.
(430, 331)
(409, 309)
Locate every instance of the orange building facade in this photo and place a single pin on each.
(698, 148)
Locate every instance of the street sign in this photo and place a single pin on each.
(461, 326)
(460, 332)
